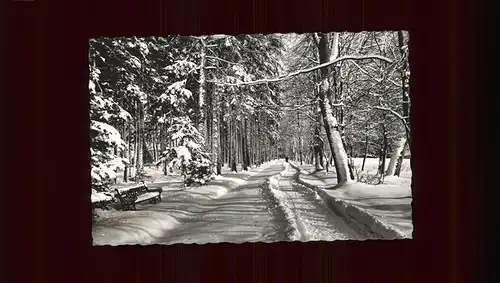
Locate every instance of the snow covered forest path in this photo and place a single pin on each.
(312, 219)
(241, 215)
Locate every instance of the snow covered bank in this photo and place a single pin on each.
(280, 199)
(277, 204)
(131, 227)
(388, 204)
(383, 209)
(365, 218)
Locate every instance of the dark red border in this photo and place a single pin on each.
(49, 221)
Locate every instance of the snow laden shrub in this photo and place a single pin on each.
(371, 178)
(105, 140)
(188, 156)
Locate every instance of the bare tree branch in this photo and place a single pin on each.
(296, 107)
(366, 73)
(403, 120)
(308, 70)
(220, 59)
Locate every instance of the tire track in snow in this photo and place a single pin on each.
(296, 232)
(310, 219)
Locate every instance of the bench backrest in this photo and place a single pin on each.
(130, 195)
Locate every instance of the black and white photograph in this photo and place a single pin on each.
(250, 138)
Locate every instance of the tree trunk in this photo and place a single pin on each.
(383, 152)
(201, 90)
(129, 153)
(243, 148)
(136, 144)
(155, 147)
(233, 148)
(329, 121)
(340, 115)
(400, 160)
(246, 151)
(398, 151)
(126, 153)
(220, 156)
(299, 151)
(209, 125)
(258, 141)
(318, 142)
(251, 151)
(229, 143)
(140, 141)
(404, 90)
(365, 154)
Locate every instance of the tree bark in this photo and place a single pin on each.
(317, 141)
(126, 152)
(404, 89)
(329, 122)
(140, 141)
(243, 148)
(220, 156)
(246, 152)
(383, 152)
(365, 154)
(398, 151)
(155, 147)
(233, 148)
(400, 161)
(209, 125)
(202, 89)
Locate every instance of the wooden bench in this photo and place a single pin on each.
(129, 197)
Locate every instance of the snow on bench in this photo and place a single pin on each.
(146, 196)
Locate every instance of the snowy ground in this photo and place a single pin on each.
(261, 205)
(389, 203)
(229, 209)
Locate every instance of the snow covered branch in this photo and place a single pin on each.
(366, 73)
(307, 70)
(220, 59)
(396, 114)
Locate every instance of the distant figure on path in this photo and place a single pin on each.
(286, 159)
